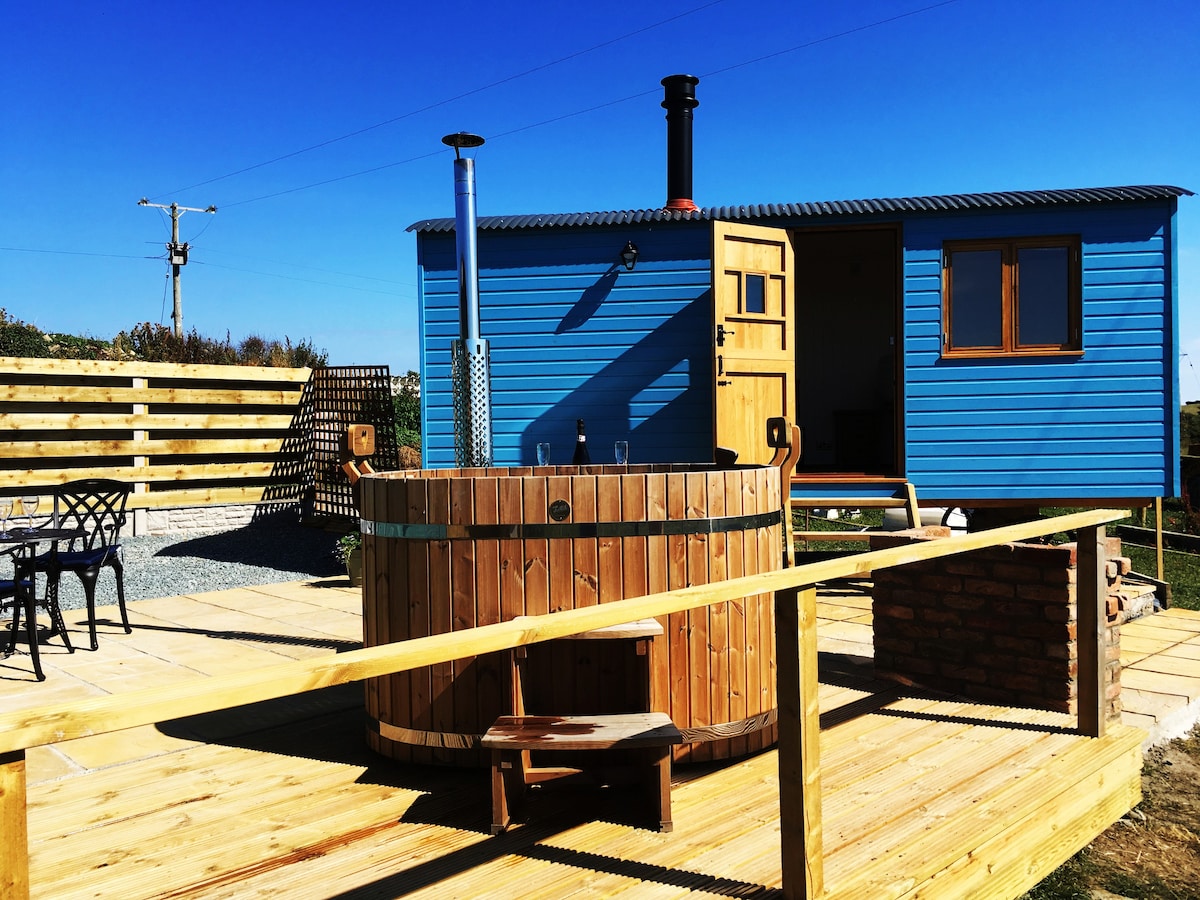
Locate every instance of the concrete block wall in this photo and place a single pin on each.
(997, 625)
(189, 519)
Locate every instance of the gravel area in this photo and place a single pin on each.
(279, 549)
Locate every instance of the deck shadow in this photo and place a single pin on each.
(253, 637)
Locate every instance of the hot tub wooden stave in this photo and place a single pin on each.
(450, 549)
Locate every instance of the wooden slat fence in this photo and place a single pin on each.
(189, 435)
(796, 636)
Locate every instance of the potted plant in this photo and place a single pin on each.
(349, 551)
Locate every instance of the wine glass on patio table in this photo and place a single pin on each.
(29, 506)
(5, 512)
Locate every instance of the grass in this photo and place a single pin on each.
(1180, 570)
(1154, 852)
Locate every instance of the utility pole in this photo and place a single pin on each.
(177, 254)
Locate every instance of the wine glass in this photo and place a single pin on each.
(621, 451)
(5, 512)
(543, 453)
(29, 506)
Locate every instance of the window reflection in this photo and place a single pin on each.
(978, 313)
(1041, 289)
(756, 293)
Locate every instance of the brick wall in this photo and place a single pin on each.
(997, 625)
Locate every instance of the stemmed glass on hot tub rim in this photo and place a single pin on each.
(621, 452)
(6, 508)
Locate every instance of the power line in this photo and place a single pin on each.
(542, 123)
(439, 103)
(345, 287)
(282, 262)
(305, 187)
(829, 37)
(75, 253)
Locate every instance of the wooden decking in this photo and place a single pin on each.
(922, 796)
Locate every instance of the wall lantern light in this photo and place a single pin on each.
(629, 256)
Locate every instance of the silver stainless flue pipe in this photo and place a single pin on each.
(472, 379)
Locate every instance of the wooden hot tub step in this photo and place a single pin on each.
(648, 736)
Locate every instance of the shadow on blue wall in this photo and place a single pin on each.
(588, 302)
(657, 394)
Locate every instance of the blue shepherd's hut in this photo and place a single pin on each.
(1010, 348)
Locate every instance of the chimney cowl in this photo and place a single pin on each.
(679, 99)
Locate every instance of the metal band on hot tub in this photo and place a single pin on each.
(432, 531)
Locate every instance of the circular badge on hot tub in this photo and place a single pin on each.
(559, 510)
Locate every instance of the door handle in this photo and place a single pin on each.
(721, 332)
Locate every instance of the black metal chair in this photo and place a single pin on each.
(96, 506)
(19, 592)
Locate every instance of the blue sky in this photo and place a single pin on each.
(104, 104)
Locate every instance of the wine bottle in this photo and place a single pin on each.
(581, 457)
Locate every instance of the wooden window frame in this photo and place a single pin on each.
(1010, 280)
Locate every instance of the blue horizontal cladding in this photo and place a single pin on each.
(1067, 463)
(1051, 420)
(1003, 371)
(1100, 295)
(1128, 261)
(1075, 485)
(1022, 403)
(571, 334)
(1045, 427)
(1038, 391)
(1000, 446)
(1125, 277)
(925, 354)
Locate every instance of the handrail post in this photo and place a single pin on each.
(799, 754)
(14, 828)
(1091, 618)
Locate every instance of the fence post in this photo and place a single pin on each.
(1091, 618)
(801, 845)
(14, 843)
(140, 435)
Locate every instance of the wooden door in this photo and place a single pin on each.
(754, 350)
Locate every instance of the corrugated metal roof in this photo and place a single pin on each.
(942, 203)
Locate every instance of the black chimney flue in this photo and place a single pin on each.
(679, 101)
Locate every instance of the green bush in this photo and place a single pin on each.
(20, 339)
(406, 407)
(157, 343)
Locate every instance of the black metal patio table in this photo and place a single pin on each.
(26, 541)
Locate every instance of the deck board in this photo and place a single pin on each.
(922, 794)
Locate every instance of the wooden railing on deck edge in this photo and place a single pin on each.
(796, 652)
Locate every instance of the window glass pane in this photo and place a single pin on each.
(1042, 295)
(976, 316)
(756, 293)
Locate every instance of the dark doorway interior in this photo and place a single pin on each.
(846, 350)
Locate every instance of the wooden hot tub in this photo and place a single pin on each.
(449, 549)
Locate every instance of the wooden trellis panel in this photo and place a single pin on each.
(343, 396)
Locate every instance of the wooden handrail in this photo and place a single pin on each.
(117, 712)
(800, 793)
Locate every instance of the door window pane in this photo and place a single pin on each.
(756, 293)
(977, 314)
(1042, 296)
